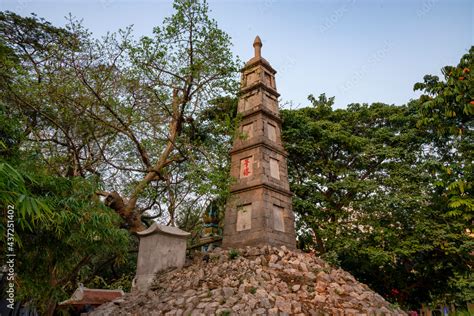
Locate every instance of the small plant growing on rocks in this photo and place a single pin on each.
(225, 313)
(394, 306)
(316, 270)
(332, 258)
(233, 254)
(253, 290)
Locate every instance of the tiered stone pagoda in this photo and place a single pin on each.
(259, 211)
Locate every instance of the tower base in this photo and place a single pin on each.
(259, 216)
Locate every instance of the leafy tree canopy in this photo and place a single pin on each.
(366, 200)
(101, 136)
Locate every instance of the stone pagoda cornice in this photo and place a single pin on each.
(259, 142)
(259, 85)
(254, 62)
(242, 187)
(261, 109)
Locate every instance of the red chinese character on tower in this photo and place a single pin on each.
(246, 167)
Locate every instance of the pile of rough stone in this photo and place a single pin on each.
(253, 281)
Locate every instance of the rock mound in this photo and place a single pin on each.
(253, 281)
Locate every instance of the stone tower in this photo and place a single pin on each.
(259, 211)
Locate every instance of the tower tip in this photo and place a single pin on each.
(257, 41)
(257, 44)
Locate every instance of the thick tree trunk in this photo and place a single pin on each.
(319, 242)
(127, 209)
(132, 220)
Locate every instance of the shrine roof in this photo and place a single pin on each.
(162, 229)
(86, 296)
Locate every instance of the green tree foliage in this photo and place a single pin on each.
(63, 233)
(448, 111)
(14, 190)
(365, 199)
(61, 230)
(216, 131)
(136, 101)
(141, 127)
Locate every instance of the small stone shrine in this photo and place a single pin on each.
(259, 211)
(161, 247)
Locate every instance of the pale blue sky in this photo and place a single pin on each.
(355, 50)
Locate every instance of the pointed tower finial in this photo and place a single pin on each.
(257, 45)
